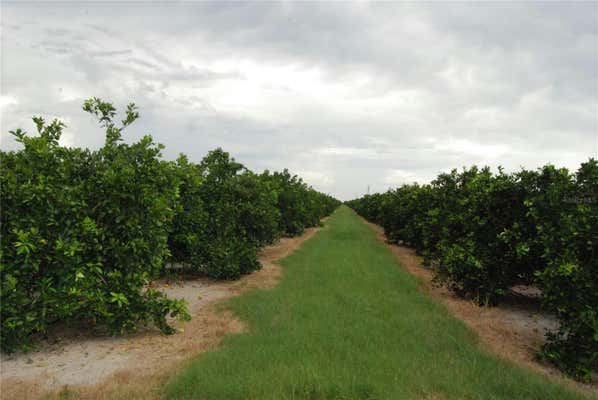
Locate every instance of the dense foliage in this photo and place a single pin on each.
(84, 232)
(299, 205)
(227, 213)
(483, 233)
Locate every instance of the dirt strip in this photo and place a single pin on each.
(514, 330)
(136, 365)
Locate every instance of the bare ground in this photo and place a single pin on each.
(134, 366)
(514, 330)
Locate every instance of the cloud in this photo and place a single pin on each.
(320, 179)
(397, 177)
(7, 101)
(349, 95)
(111, 53)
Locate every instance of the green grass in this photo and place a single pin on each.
(346, 322)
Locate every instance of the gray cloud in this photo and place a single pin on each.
(346, 94)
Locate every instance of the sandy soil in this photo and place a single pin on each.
(133, 366)
(514, 330)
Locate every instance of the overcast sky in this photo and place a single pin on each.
(344, 94)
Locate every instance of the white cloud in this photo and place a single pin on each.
(316, 178)
(472, 148)
(398, 177)
(351, 94)
(346, 151)
(7, 101)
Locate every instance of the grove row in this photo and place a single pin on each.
(483, 233)
(84, 233)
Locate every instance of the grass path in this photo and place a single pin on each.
(346, 322)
